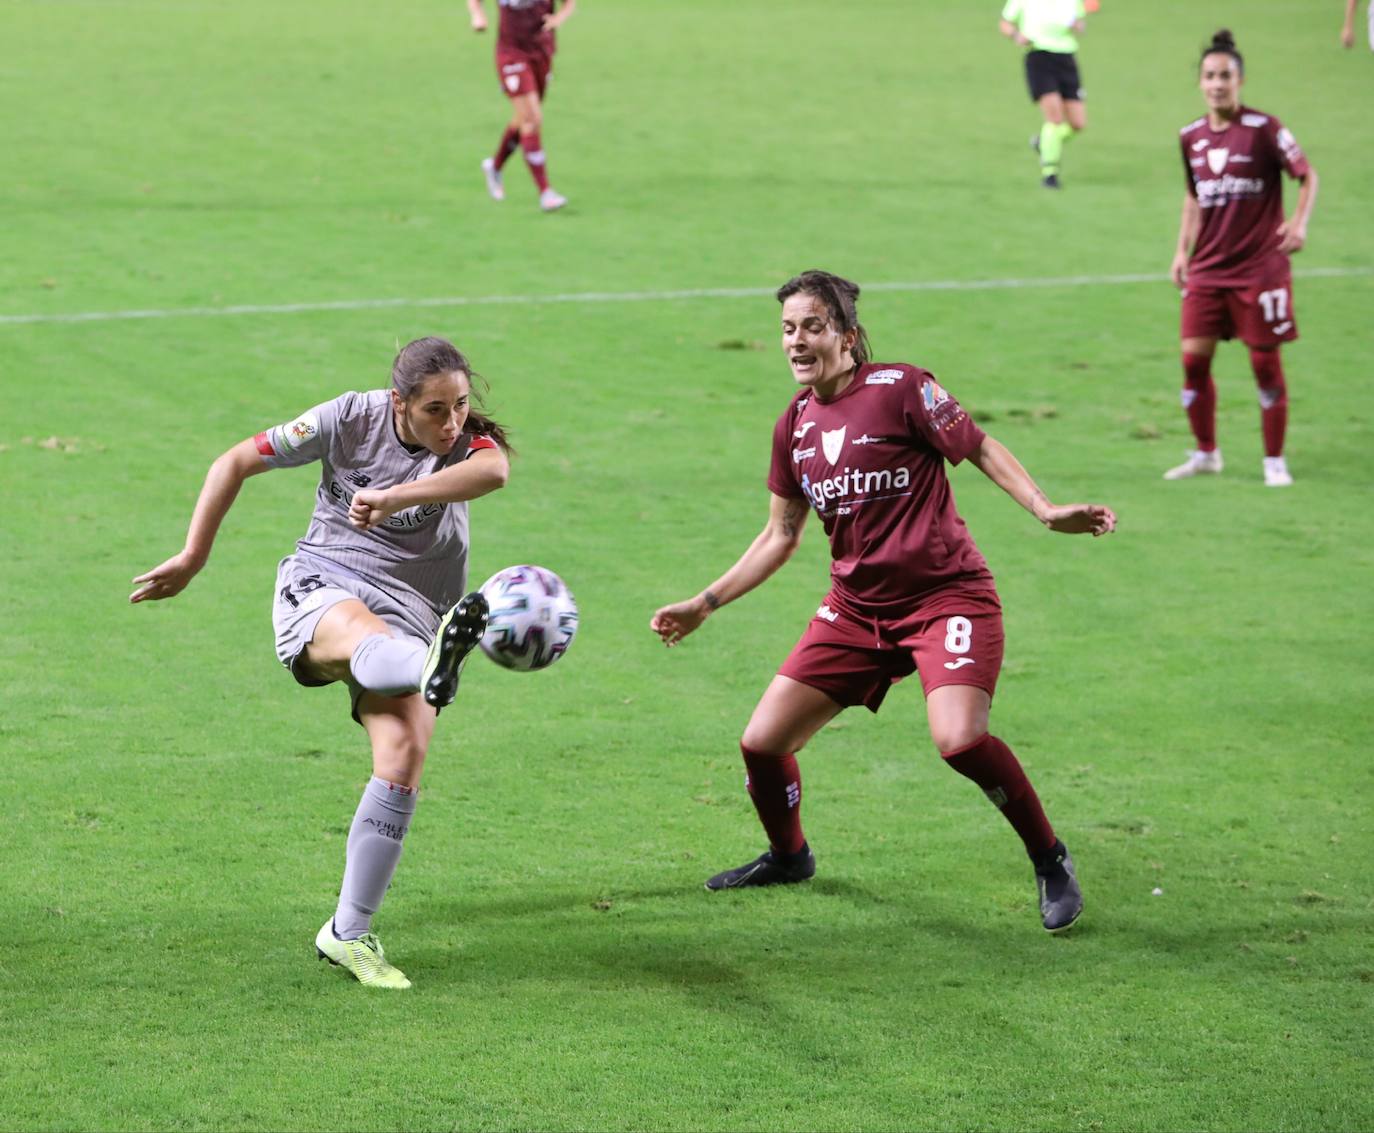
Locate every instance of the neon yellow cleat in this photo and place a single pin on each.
(363, 957)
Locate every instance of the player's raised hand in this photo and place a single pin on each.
(1292, 237)
(673, 623)
(1080, 519)
(368, 508)
(166, 580)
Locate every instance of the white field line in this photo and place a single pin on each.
(616, 297)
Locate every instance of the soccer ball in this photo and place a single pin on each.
(533, 618)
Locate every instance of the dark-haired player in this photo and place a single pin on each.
(1049, 30)
(864, 445)
(1232, 259)
(525, 45)
(362, 598)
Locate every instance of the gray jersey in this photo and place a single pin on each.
(419, 555)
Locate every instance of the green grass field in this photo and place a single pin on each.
(1192, 696)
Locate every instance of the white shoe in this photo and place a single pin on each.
(1276, 474)
(1197, 464)
(550, 200)
(363, 957)
(493, 176)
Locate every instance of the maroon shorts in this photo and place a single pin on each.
(950, 639)
(523, 73)
(1259, 315)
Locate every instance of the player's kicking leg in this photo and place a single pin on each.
(459, 632)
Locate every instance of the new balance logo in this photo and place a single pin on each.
(361, 479)
(959, 664)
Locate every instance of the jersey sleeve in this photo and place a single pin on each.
(782, 479)
(938, 420)
(478, 443)
(301, 440)
(1011, 11)
(1187, 166)
(1294, 161)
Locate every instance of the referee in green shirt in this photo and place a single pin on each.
(1050, 29)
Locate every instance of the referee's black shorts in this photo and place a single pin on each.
(1053, 72)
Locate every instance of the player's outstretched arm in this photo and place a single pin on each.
(476, 15)
(1348, 28)
(997, 463)
(482, 472)
(222, 484)
(1293, 231)
(557, 19)
(770, 549)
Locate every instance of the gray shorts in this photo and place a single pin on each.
(307, 587)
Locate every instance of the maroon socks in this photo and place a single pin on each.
(991, 764)
(775, 786)
(534, 158)
(510, 142)
(1200, 400)
(1273, 398)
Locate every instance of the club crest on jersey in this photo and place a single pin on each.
(933, 395)
(1216, 160)
(832, 443)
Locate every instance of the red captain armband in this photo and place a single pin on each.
(479, 443)
(264, 445)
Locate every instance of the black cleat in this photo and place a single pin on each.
(1061, 900)
(459, 632)
(1051, 181)
(768, 869)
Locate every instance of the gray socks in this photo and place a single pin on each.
(388, 665)
(374, 848)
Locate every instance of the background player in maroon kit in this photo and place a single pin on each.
(864, 445)
(524, 62)
(1232, 258)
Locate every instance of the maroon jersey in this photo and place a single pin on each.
(1235, 174)
(871, 462)
(522, 27)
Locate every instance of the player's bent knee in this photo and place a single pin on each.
(955, 744)
(764, 741)
(400, 761)
(954, 737)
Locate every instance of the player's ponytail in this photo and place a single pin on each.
(841, 297)
(424, 357)
(1223, 43)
